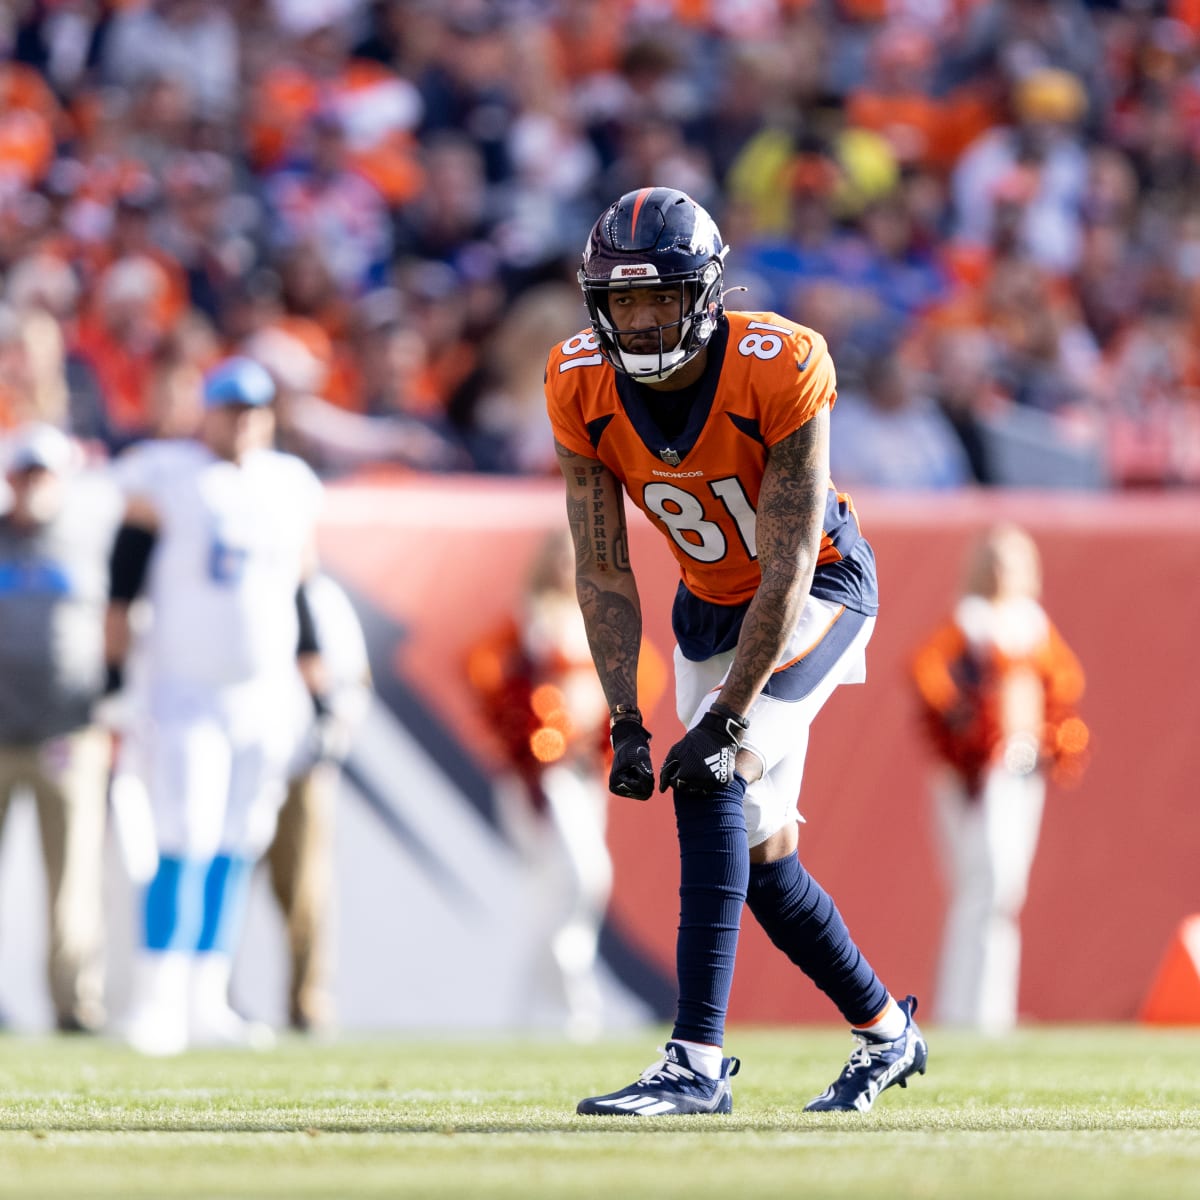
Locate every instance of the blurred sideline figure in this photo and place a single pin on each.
(540, 694)
(219, 533)
(997, 686)
(299, 859)
(54, 545)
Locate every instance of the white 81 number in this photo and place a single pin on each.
(763, 345)
(576, 345)
(685, 520)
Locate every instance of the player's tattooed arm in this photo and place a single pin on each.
(604, 581)
(791, 509)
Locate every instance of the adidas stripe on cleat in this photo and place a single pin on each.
(874, 1066)
(671, 1087)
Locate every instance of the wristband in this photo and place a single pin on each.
(730, 714)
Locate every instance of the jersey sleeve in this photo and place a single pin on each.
(309, 490)
(146, 470)
(808, 384)
(563, 402)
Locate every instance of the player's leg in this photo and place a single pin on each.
(255, 793)
(693, 1075)
(189, 763)
(14, 770)
(795, 911)
(300, 872)
(577, 804)
(960, 825)
(799, 916)
(69, 783)
(1012, 806)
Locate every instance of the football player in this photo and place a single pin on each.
(716, 425)
(218, 535)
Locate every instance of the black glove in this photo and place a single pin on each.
(632, 774)
(703, 759)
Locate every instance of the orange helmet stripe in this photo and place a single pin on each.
(637, 208)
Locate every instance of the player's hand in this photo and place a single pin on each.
(329, 736)
(330, 741)
(632, 774)
(113, 708)
(703, 759)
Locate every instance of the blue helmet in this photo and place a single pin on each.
(655, 235)
(238, 381)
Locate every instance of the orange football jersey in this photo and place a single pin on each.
(766, 376)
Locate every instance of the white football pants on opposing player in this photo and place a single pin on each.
(217, 765)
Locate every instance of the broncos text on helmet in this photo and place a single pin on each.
(655, 236)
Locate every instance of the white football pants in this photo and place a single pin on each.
(216, 765)
(987, 847)
(827, 648)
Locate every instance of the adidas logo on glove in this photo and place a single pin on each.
(706, 757)
(721, 765)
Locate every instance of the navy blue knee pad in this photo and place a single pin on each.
(714, 870)
(800, 917)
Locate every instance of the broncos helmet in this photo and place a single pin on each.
(658, 235)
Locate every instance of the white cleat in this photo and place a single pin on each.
(156, 1023)
(223, 1027)
(156, 1034)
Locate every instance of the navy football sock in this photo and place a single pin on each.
(714, 867)
(800, 917)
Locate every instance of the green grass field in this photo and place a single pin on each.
(1056, 1113)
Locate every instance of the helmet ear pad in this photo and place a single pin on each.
(710, 301)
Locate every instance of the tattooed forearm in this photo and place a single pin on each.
(577, 522)
(604, 581)
(788, 534)
(614, 629)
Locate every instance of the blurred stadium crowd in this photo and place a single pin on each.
(989, 208)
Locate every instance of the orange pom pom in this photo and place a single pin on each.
(546, 699)
(548, 745)
(1072, 737)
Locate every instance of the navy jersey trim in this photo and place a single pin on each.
(638, 401)
(596, 428)
(850, 580)
(839, 522)
(749, 426)
(703, 629)
(798, 679)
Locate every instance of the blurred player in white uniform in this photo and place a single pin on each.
(218, 536)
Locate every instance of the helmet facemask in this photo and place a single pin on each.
(700, 306)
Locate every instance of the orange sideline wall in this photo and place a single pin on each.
(1119, 860)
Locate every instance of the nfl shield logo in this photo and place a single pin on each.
(670, 457)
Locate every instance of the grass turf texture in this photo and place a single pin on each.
(1056, 1113)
